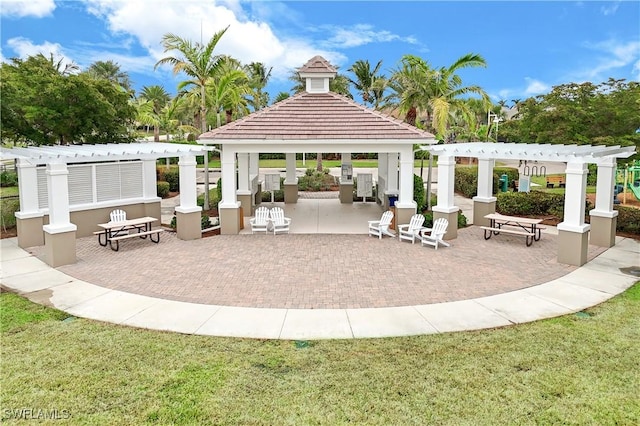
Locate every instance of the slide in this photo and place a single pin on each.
(635, 188)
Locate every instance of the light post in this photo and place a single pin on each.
(495, 120)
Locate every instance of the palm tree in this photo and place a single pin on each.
(364, 79)
(158, 97)
(199, 63)
(225, 93)
(110, 70)
(258, 80)
(410, 88)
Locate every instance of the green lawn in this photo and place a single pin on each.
(576, 369)
(9, 191)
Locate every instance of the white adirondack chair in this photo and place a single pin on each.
(118, 215)
(378, 228)
(279, 222)
(260, 222)
(434, 236)
(411, 230)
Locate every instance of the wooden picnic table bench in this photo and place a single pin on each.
(114, 232)
(553, 180)
(515, 225)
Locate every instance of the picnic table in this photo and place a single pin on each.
(113, 232)
(515, 225)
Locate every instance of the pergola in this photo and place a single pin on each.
(66, 190)
(573, 232)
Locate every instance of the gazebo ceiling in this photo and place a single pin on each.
(100, 153)
(531, 152)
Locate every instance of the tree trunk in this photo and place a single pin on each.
(156, 134)
(319, 162)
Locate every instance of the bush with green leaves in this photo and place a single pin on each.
(314, 180)
(628, 219)
(428, 219)
(172, 176)
(418, 192)
(8, 178)
(163, 189)
(205, 222)
(466, 179)
(8, 209)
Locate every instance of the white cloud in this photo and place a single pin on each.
(610, 8)
(23, 8)
(361, 34)
(535, 87)
(636, 69)
(612, 55)
(246, 40)
(25, 47)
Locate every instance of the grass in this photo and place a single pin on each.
(9, 191)
(568, 370)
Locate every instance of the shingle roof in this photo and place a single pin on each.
(317, 64)
(317, 116)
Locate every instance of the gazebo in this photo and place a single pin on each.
(314, 121)
(573, 232)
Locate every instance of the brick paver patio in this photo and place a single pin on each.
(316, 271)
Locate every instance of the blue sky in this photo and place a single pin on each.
(529, 46)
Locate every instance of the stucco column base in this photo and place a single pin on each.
(403, 214)
(189, 225)
(290, 193)
(603, 230)
(153, 209)
(452, 229)
(229, 219)
(60, 248)
(245, 203)
(30, 233)
(480, 209)
(572, 247)
(346, 193)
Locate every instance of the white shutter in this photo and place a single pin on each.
(80, 185)
(43, 195)
(131, 179)
(108, 181)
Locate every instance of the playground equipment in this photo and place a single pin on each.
(627, 178)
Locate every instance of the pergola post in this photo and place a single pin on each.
(603, 217)
(29, 219)
(152, 202)
(346, 184)
(254, 170)
(383, 167)
(392, 178)
(405, 206)
(228, 207)
(244, 189)
(446, 207)
(291, 181)
(573, 233)
(484, 203)
(188, 213)
(60, 233)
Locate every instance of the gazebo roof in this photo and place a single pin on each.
(532, 152)
(99, 153)
(312, 117)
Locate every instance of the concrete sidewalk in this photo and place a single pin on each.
(24, 273)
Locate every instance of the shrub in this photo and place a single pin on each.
(316, 181)
(8, 178)
(428, 219)
(418, 192)
(466, 179)
(8, 208)
(628, 219)
(205, 222)
(534, 203)
(163, 189)
(173, 177)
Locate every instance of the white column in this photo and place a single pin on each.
(485, 180)
(228, 175)
(392, 172)
(575, 198)
(290, 178)
(28, 186)
(446, 176)
(58, 193)
(188, 191)
(149, 183)
(254, 163)
(405, 197)
(243, 173)
(604, 188)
